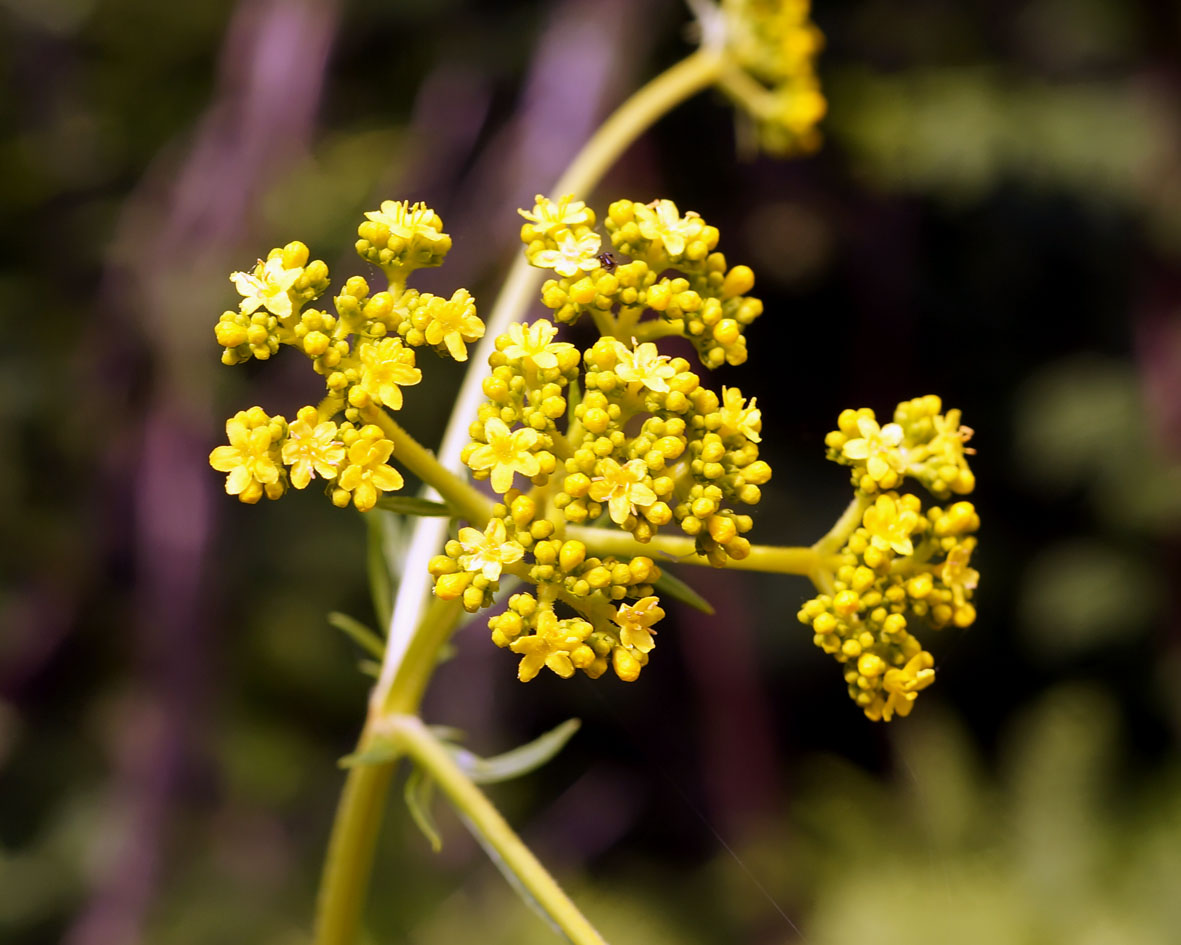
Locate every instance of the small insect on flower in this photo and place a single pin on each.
(607, 261)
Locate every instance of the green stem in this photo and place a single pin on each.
(412, 644)
(466, 501)
(350, 853)
(778, 560)
(411, 735)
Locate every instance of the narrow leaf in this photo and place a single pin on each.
(413, 505)
(419, 792)
(379, 753)
(519, 761)
(380, 582)
(360, 634)
(370, 668)
(672, 586)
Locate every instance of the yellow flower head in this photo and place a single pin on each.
(635, 622)
(387, 366)
(567, 213)
(890, 525)
(409, 221)
(535, 343)
(488, 551)
(660, 220)
(311, 447)
(267, 287)
(878, 446)
(365, 473)
(574, 254)
(251, 459)
(904, 685)
(506, 453)
(645, 366)
(454, 324)
(622, 488)
(738, 417)
(956, 574)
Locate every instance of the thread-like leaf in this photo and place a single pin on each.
(419, 792)
(519, 761)
(669, 585)
(360, 634)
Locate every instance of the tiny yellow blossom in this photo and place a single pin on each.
(250, 458)
(535, 343)
(506, 453)
(574, 253)
(622, 488)
(904, 684)
(548, 216)
(311, 448)
(738, 417)
(635, 622)
(661, 220)
(366, 472)
(388, 365)
(550, 646)
(267, 287)
(454, 324)
(488, 551)
(878, 446)
(645, 365)
(956, 574)
(889, 526)
(407, 220)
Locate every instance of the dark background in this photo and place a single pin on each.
(995, 217)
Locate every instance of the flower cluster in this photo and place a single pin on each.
(673, 272)
(900, 564)
(364, 349)
(776, 45)
(519, 542)
(617, 435)
(921, 442)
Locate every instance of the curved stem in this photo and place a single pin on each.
(486, 822)
(683, 80)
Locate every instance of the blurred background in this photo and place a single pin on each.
(995, 217)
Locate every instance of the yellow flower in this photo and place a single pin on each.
(738, 418)
(645, 365)
(956, 574)
(878, 446)
(488, 551)
(548, 216)
(506, 453)
(660, 220)
(535, 343)
(574, 253)
(407, 220)
(311, 448)
(388, 365)
(890, 526)
(267, 287)
(622, 488)
(366, 472)
(250, 459)
(550, 646)
(635, 622)
(904, 684)
(454, 323)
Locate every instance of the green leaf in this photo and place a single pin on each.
(370, 668)
(360, 634)
(413, 505)
(519, 761)
(381, 752)
(419, 792)
(669, 585)
(380, 580)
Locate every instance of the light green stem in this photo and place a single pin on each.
(415, 739)
(412, 644)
